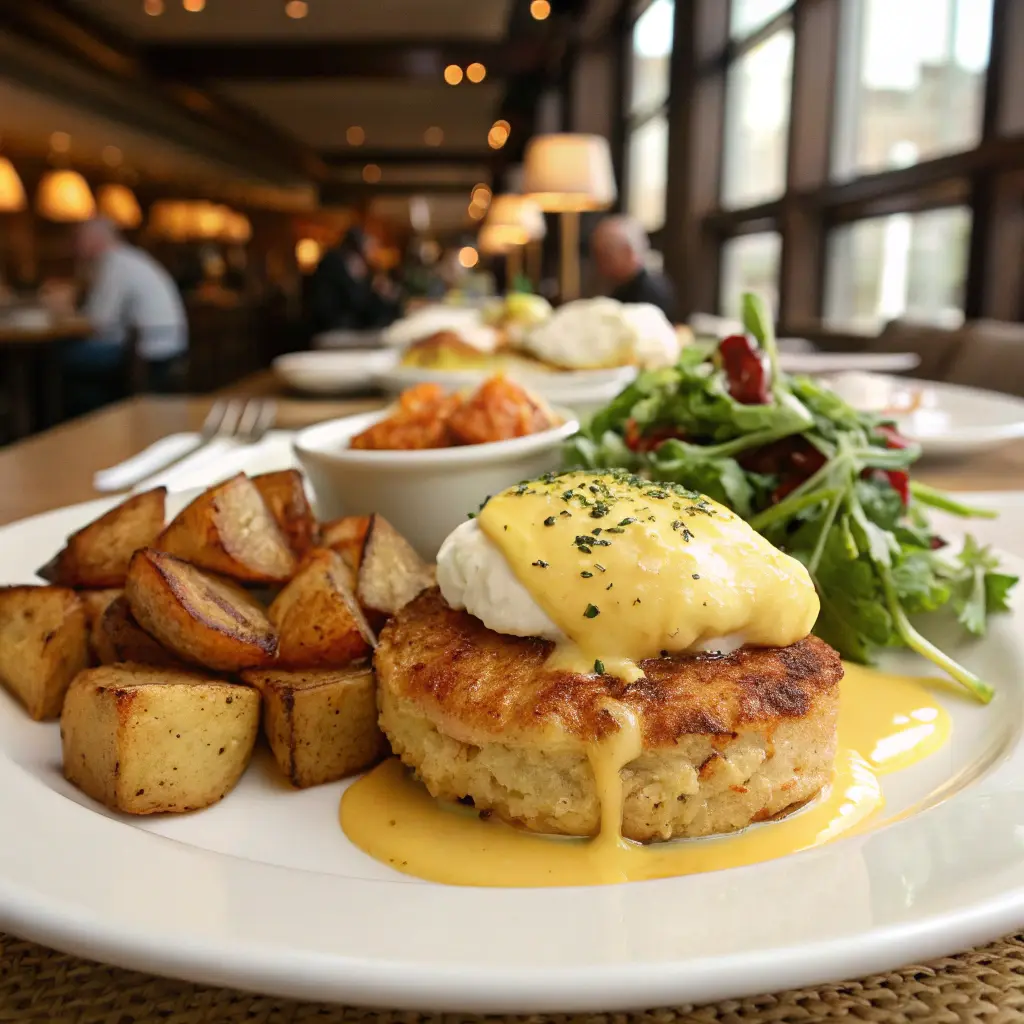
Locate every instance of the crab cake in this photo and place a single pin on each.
(726, 740)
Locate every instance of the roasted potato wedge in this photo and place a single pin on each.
(391, 574)
(285, 495)
(319, 624)
(96, 602)
(146, 740)
(117, 637)
(346, 536)
(43, 645)
(98, 554)
(201, 618)
(321, 725)
(229, 530)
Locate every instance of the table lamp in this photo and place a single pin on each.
(569, 174)
(512, 222)
(118, 203)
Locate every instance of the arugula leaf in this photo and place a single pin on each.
(720, 478)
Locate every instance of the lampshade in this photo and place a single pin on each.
(567, 173)
(307, 253)
(64, 196)
(207, 220)
(169, 218)
(237, 228)
(515, 219)
(118, 202)
(12, 192)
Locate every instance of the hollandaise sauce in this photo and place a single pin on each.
(886, 723)
(599, 551)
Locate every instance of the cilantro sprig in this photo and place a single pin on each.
(854, 519)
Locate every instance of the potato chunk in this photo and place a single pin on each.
(322, 725)
(228, 529)
(319, 623)
(346, 536)
(203, 619)
(391, 574)
(285, 496)
(146, 740)
(116, 637)
(98, 554)
(43, 645)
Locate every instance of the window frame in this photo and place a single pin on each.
(988, 178)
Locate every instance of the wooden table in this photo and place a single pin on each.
(28, 348)
(56, 468)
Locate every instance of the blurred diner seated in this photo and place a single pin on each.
(346, 293)
(620, 247)
(137, 317)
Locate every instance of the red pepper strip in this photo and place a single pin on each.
(899, 479)
(745, 370)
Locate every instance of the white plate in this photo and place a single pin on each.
(330, 372)
(945, 419)
(264, 892)
(840, 362)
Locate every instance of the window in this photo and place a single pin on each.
(648, 169)
(652, 51)
(749, 263)
(757, 122)
(647, 118)
(748, 16)
(913, 83)
(910, 265)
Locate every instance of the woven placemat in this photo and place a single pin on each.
(37, 984)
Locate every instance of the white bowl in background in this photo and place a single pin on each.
(424, 494)
(581, 391)
(333, 372)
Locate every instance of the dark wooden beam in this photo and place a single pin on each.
(354, 156)
(415, 60)
(344, 193)
(90, 45)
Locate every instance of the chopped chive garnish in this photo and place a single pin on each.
(599, 667)
(550, 521)
(599, 567)
(586, 575)
(591, 612)
(696, 575)
(540, 563)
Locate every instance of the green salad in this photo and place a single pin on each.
(822, 481)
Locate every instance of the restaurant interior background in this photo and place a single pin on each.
(860, 162)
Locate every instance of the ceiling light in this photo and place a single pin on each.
(118, 203)
(433, 136)
(296, 8)
(154, 8)
(540, 9)
(477, 211)
(453, 74)
(193, 6)
(64, 196)
(498, 135)
(476, 72)
(468, 256)
(481, 195)
(12, 192)
(355, 136)
(371, 174)
(111, 156)
(307, 253)
(60, 142)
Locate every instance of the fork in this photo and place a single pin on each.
(243, 421)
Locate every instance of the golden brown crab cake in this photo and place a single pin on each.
(726, 740)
